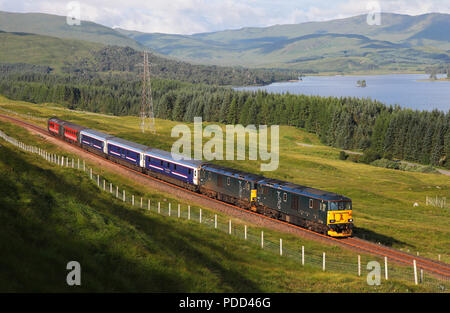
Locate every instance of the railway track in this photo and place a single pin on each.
(437, 268)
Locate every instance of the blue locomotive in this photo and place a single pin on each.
(317, 210)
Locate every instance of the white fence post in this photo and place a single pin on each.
(262, 239)
(110, 188)
(281, 246)
(149, 205)
(141, 202)
(415, 272)
(200, 217)
(323, 265)
(215, 221)
(170, 205)
(117, 191)
(359, 265)
(245, 232)
(229, 227)
(98, 180)
(104, 185)
(189, 212)
(385, 268)
(132, 200)
(124, 195)
(159, 207)
(179, 211)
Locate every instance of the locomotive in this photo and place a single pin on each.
(317, 210)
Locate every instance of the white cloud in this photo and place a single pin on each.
(194, 16)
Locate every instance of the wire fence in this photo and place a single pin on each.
(294, 251)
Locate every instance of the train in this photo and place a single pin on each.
(320, 211)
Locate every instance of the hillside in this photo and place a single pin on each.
(382, 198)
(79, 57)
(401, 42)
(56, 26)
(55, 215)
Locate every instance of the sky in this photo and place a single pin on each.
(198, 16)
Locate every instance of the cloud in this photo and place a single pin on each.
(194, 16)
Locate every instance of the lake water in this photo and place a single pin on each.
(402, 89)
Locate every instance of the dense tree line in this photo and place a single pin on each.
(128, 60)
(348, 123)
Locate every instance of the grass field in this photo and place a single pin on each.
(55, 214)
(52, 215)
(382, 198)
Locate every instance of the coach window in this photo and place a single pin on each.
(189, 171)
(174, 166)
(284, 197)
(311, 203)
(228, 181)
(161, 162)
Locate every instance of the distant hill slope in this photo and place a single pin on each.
(72, 56)
(56, 26)
(401, 42)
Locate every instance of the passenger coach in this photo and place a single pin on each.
(176, 170)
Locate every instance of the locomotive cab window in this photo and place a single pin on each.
(189, 171)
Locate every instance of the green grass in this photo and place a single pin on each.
(382, 198)
(53, 215)
(15, 48)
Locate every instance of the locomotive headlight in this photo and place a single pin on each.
(350, 220)
(332, 221)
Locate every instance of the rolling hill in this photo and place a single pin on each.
(401, 42)
(56, 26)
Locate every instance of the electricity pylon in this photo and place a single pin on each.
(147, 116)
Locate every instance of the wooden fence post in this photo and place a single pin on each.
(124, 195)
(189, 212)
